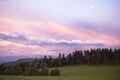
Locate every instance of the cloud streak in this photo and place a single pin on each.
(51, 42)
(49, 29)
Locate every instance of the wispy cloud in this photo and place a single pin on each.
(16, 38)
(49, 29)
(26, 41)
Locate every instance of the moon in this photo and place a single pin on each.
(91, 6)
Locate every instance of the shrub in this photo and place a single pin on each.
(44, 72)
(55, 72)
(29, 72)
(7, 72)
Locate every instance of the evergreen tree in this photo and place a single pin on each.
(2, 69)
(44, 61)
(50, 61)
(63, 62)
(60, 60)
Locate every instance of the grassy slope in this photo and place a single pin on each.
(84, 72)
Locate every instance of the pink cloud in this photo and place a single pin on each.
(42, 29)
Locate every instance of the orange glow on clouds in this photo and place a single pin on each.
(7, 43)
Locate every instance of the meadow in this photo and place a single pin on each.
(78, 72)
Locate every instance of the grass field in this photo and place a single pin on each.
(84, 72)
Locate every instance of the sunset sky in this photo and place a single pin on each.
(31, 28)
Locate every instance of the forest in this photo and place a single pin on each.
(39, 67)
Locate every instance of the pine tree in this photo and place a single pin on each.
(44, 61)
(63, 62)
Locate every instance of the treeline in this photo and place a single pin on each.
(99, 56)
(24, 68)
(39, 67)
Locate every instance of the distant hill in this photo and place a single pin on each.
(13, 63)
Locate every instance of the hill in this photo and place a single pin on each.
(81, 72)
(13, 63)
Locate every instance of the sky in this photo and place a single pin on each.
(32, 28)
